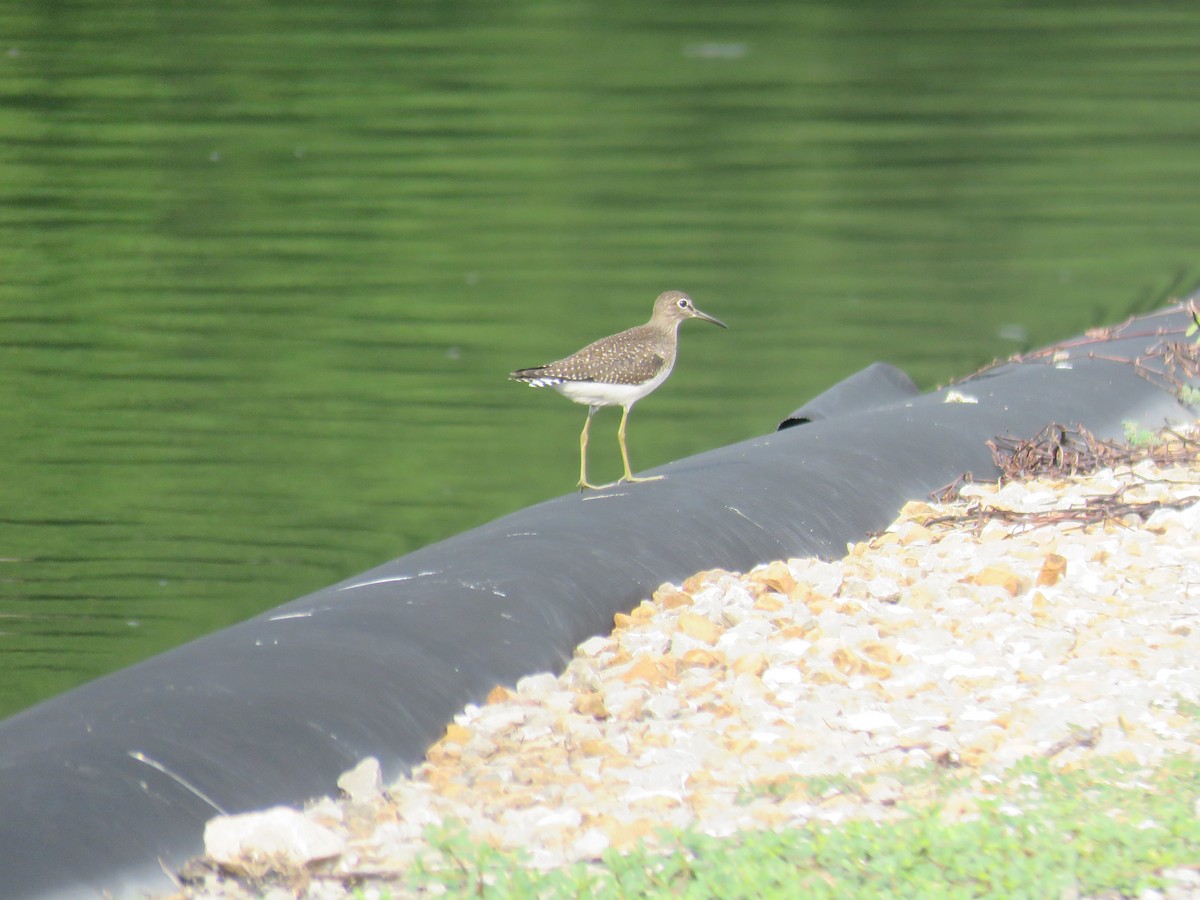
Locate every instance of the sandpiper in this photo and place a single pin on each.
(619, 370)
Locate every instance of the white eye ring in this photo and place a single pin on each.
(682, 302)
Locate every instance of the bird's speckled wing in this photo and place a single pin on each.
(630, 357)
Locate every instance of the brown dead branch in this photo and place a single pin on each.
(1061, 452)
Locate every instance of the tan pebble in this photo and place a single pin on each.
(768, 603)
(993, 533)
(706, 659)
(920, 596)
(527, 776)
(594, 647)
(772, 816)
(633, 710)
(438, 777)
(646, 669)
(845, 661)
(974, 757)
(827, 676)
(884, 653)
(959, 806)
(622, 620)
(479, 749)
(1042, 608)
(808, 632)
(625, 835)
(858, 568)
(754, 590)
(674, 600)
(552, 756)
(700, 579)
(663, 590)
(453, 790)
(751, 664)
(698, 627)
(840, 802)
(800, 593)
(965, 685)
(657, 739)
(913, 533)
(498, 694)
(457, 734)
(775, 577)
(914, 689)
(443, 753)
(593, 747)
(655, 803)
(1000, 575)
(644, 611)
(590, 704)
(740, 745)
(918, 511)
(1053, 568)
(894, 629)
(885, 790)
(1043, 538)
(850, 663)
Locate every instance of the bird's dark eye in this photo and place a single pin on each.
(683, 304)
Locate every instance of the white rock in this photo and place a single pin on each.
(594, 646)
(364, 782)
(538, 685)
(977, 714)
(590, 845)
(781, 675)
(499, 719)
(970, 672)
(663, 706)
(638, 641)
(280, 832)
(870, 720)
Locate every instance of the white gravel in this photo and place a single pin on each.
(933, 644)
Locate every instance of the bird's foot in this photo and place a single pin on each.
(630, 479)
(588, 486)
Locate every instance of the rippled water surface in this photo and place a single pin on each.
(264, 267)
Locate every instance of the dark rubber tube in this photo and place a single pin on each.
(102, 787)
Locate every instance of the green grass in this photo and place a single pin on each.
(1110, 830)
(1137, 436)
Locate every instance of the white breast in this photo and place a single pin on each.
(595, 393)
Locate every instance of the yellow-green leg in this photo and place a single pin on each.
(583, 441)
(629, 476)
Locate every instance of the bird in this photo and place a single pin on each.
(619, 370)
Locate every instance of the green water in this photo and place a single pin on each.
(264, 266)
